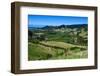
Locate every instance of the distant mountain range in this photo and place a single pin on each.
(60, 26)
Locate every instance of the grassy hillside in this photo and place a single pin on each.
(55, 50)
(58, 42)
(61, 44)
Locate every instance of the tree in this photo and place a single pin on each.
(30, 34)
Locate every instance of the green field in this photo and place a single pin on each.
(58, 43)
(55, 50)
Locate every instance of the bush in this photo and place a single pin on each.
(35, 41)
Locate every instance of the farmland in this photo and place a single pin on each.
(58, 42)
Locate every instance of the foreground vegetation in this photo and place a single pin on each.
(44, 51)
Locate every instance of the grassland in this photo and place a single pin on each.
(55, 50)
(57, 43)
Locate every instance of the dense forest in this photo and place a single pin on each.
(58, 42)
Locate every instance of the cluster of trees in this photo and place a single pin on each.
(79, 36)
(36, 37)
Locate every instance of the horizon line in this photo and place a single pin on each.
(56, 25)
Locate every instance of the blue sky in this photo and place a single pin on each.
(43, 20)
